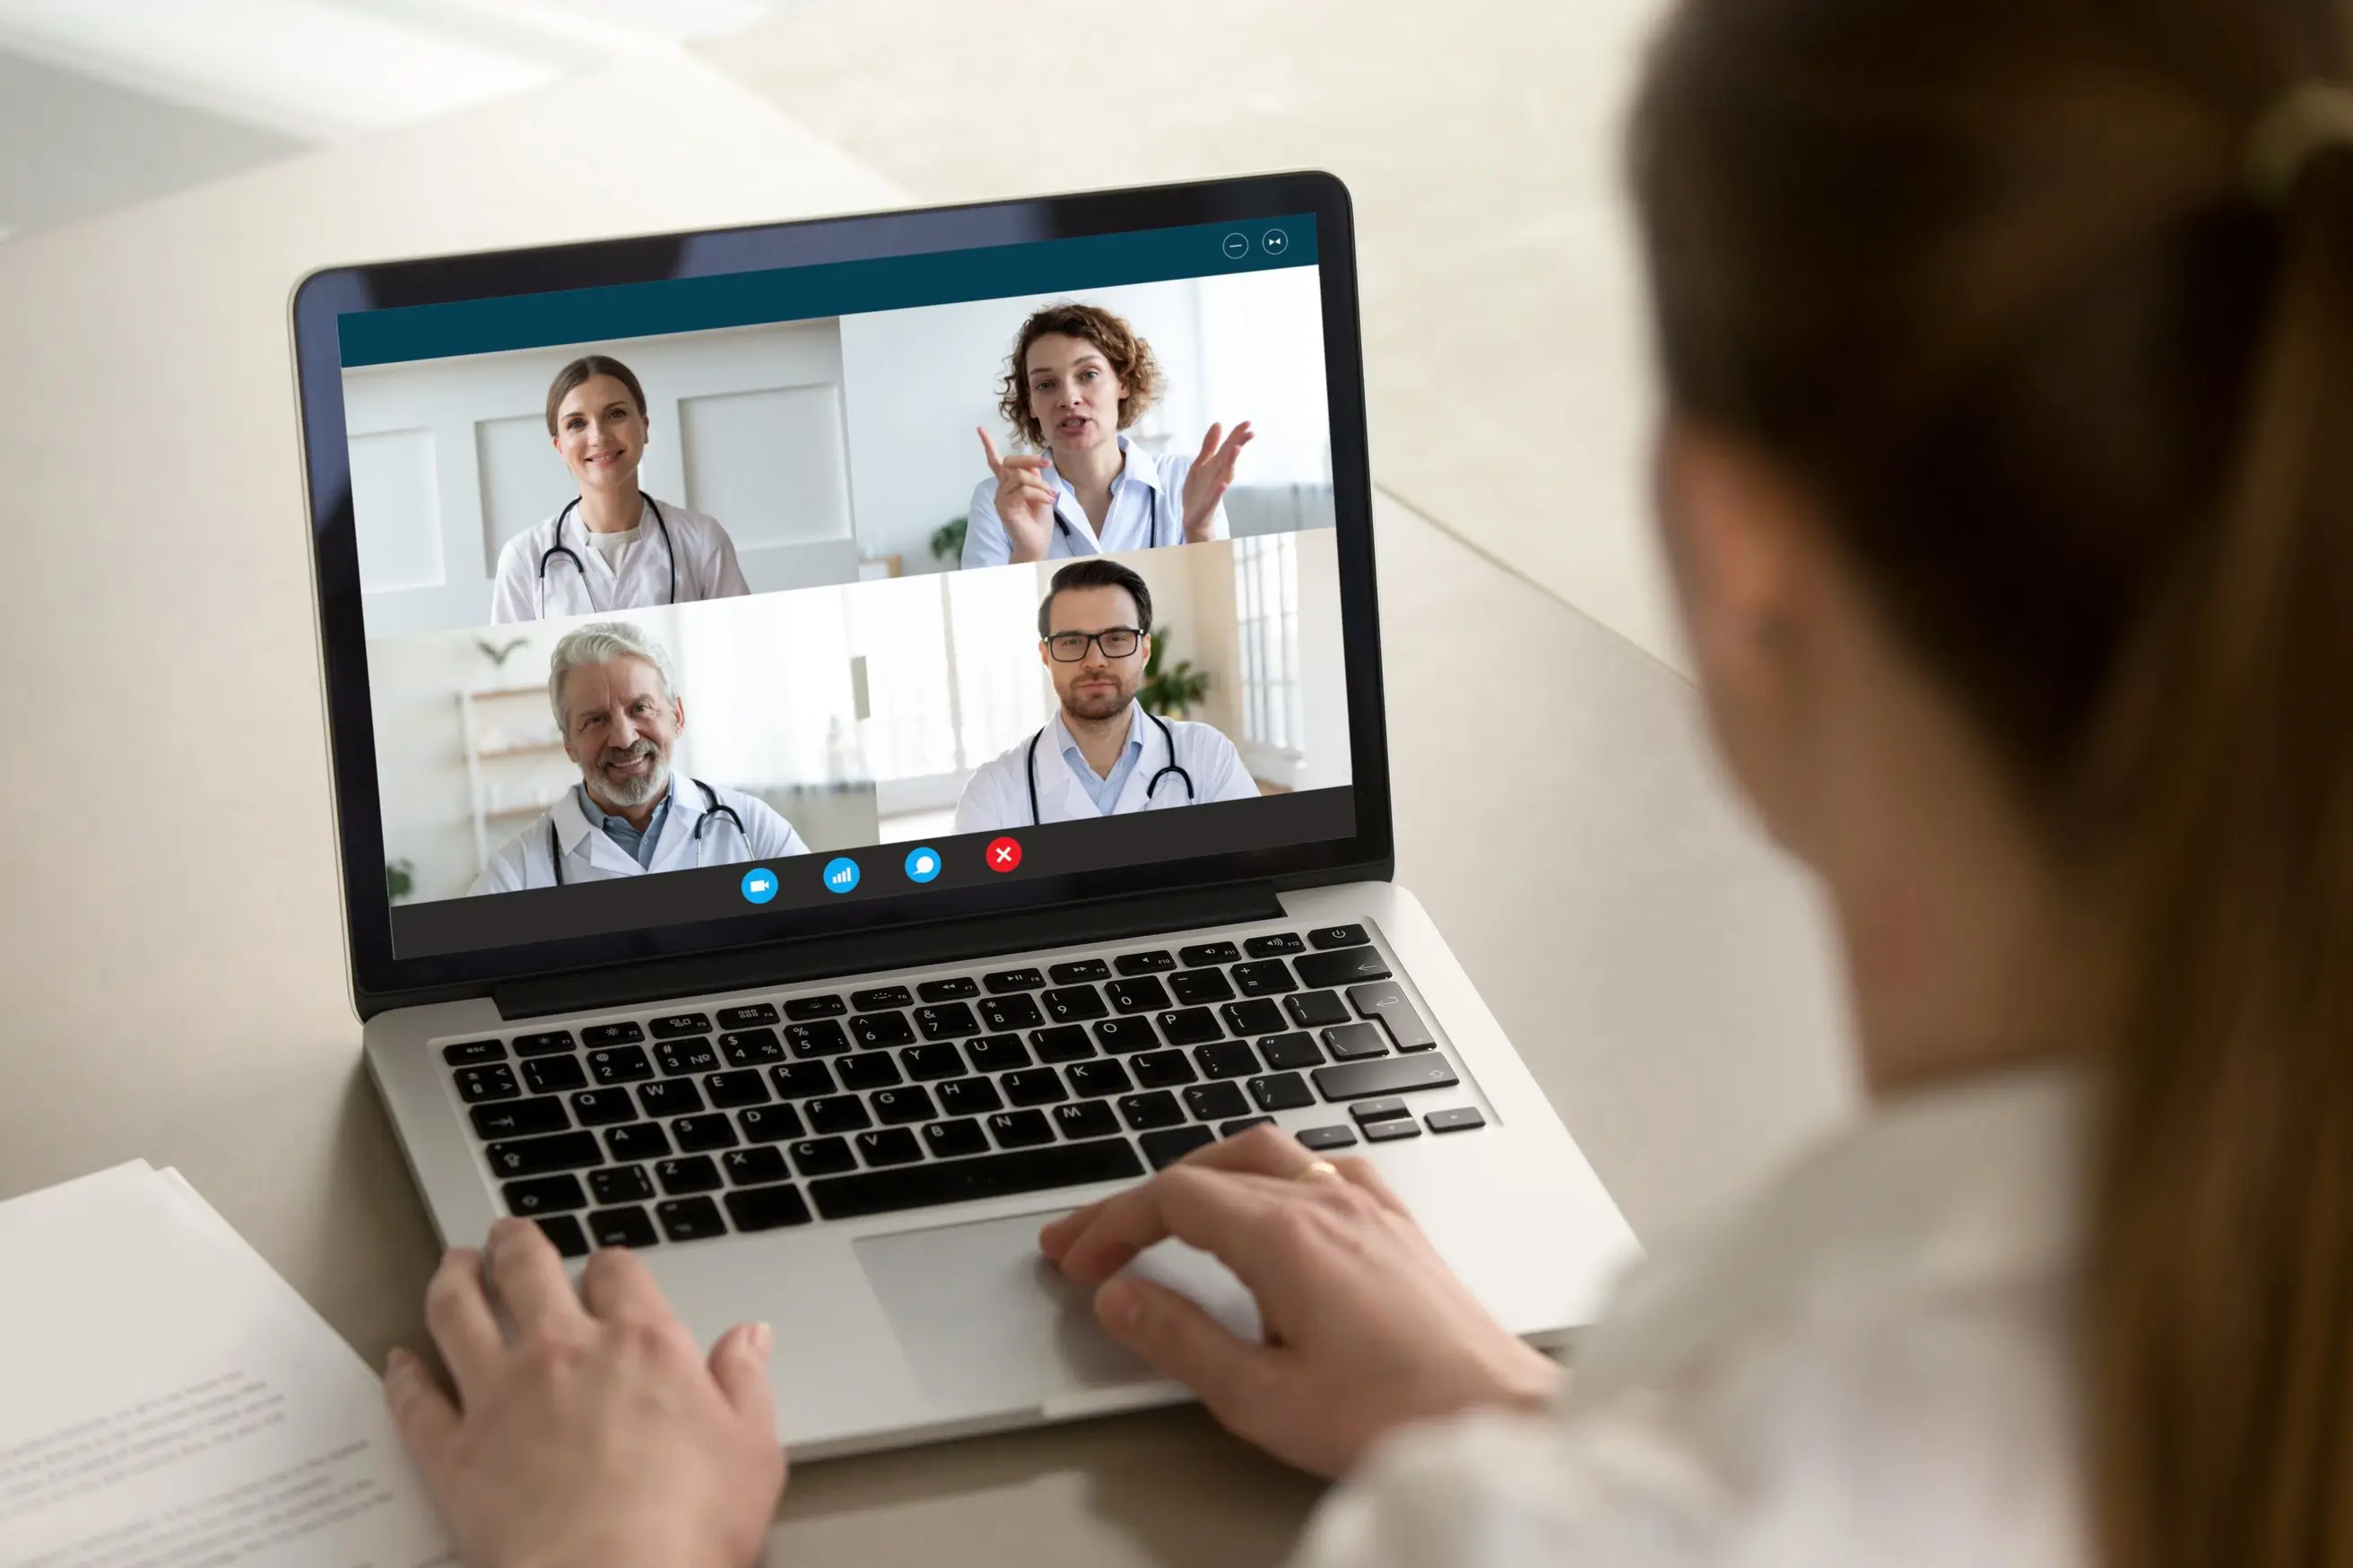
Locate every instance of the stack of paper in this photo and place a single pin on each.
(167, 1401)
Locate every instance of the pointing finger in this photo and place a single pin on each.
(988, 447)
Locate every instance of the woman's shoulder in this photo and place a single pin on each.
(686, 519)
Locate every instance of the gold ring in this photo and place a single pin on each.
(1315, 1168)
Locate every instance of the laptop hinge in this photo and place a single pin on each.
(895, 947)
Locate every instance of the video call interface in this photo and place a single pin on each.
(719, 606)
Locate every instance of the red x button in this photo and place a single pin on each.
(1004, 854)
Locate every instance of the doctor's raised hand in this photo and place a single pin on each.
(1207, 481)
(1025, 502)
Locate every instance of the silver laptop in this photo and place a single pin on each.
(841, 755)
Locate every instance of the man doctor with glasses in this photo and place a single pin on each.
(1101, 754)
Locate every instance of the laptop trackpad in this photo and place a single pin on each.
(984, 1319)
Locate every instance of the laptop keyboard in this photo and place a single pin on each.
(839, 1105)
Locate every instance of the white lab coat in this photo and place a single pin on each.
(590, 855)
(997, 796)
(705, 557)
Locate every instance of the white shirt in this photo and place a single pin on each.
(590, 855)
(1871, 1366)
(1148, 511)
(997, 796)
(582, 580)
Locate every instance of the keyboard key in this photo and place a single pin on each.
(1020, 1129)
(1240, 1125)
(752, 1047)
(710, 1131)
(625, 1065)
(1390, 1132)
(545, 1194)
(1227, 1059)
(670, 1097)
(1388, 1075)
(621, 1184)
(954, 990)
(1251, 1019)
(749, 1167)
(565, 1232)
(1461, 1119)
(1273, 944)
(1170, 1144)
(1118, 1035)
(623, 1228)
(758, 1013)
(820, 1039)
(1315, 1009)
(970, 1097)
(543, 1044)
(544, 1156)
(1160, 1069)
(1384, 1000)
(889, 1146)
(800, 1009)
(1092, 1078)
(953, 1140)
(1342, 968)
(903, 1107)
(767, 1208)
(728, 1089)
(877, 1071)
(519, 1119)
(1010, 1013)
(997, 1053)
(1280, 1091)
(1382, 1110)
(689, 1219)
(678, 1025)
(1074, 1004)
(637, 1141)
(473, 1053)
(799, 1080)
(1145, 963)
(823, 1156)
(1353, 1042)
(1267, 977)
(602, 1107)
(1288, 1053)
(952, 1022)
(1216, 1102)
(1156, 1109)
(554, 1075)
(1190, 1026)
(882, 996)
(1078, 970)
(770, 1123)
(1084, 1119)
(989, 1177)
(924, 1062)
(875, 1030)
(496, 1081)
(1033, 1086)
(1199, 987)
(1007, 980)
(1208, 953)
(837, 1113)
(679, 1057)
(1144, 995)
(622, 1034)
(1325, 937)
(1062, 1042)
(694, 1174)
(1327, 1137)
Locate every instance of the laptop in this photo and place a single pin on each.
(686, 650)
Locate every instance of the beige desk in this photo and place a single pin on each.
(173, 972)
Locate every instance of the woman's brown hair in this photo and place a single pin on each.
(1992, 279)
(582, 369)
(1129, 356)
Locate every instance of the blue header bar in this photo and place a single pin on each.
(830, 288)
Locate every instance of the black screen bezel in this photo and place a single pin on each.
(381, 980)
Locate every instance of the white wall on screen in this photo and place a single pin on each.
(395, 469)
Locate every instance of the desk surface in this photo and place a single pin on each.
(174, 969)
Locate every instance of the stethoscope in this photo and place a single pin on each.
(713, 809)
(1167, 734)
(560, 548)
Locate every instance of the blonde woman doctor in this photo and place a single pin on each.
(613, 547)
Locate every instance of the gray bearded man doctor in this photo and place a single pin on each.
(618, 707)
(1101, 754)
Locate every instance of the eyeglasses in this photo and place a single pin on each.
(1068, 648)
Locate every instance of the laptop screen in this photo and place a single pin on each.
(785, 589)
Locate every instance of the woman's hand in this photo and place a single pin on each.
(596, 1436)
(1207, 480)
(1366, 1329)
(1025, 501)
